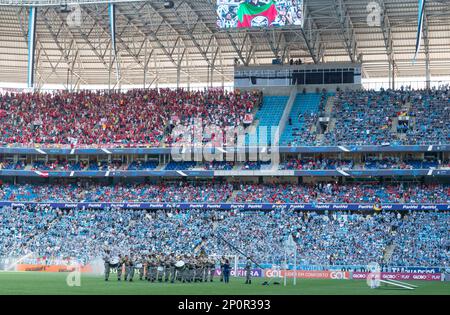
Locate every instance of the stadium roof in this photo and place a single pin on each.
(184, 45)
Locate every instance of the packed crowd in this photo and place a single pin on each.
(148, 117)
(368, 117)
(365, 117)
(192, 193)
(371, 193)
(430, 111)
(315, 164)
(369, 163)
(336, 238)
(137, 117)
(348, 193)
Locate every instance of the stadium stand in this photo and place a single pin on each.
(268, 116)
(217, 193)
(303, 115)
(325, 239)
(136, 117)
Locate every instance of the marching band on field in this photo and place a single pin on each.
(166, 267)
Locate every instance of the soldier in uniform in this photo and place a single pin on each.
(212, 269)
(148, 275)
(196, 269)
(107, 260)
(222, 265)
(142, 268)
(204, 269)
(173, 269)
(180, 270)
(119, 267)
(160, 268)
(128, 264)
(248, 271)
(169, 268)
(153, 268)
(192, 269)
(185, 271)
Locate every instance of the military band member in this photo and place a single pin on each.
(153, 268)
(248, 271)
(186, 269)
(148, 264)
(142, 263)
(160, 268)
(212, 269)
(107, 260)
(205, 269)
(222, 265)
(132, 265)
(178, 270)
(128, 265)
(170, 268)
(120, 267)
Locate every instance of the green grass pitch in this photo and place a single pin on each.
(55, 284)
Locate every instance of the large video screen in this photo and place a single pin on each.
(259, 13)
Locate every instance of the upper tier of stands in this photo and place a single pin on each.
(302, 117)
(137, 117)
(268, 116)
(147, 117)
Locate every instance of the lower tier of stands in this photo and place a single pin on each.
(413, 238)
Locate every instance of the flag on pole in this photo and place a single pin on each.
(31, 46)
(250, 15)
(420, 27)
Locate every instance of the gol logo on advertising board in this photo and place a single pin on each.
(301, 274)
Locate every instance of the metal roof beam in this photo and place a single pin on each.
(311, 34)
(347, 29)
(386, 29)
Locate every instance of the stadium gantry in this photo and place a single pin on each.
(182, 45)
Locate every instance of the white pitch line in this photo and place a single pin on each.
(397, 284)
(404, 283)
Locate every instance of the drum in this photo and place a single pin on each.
(180, 264)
